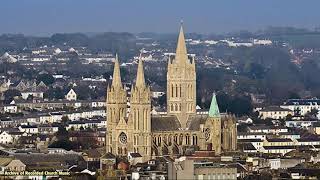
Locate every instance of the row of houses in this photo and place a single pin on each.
(291, 107)
(52, 117)
(11, 136)
(43, 105)
(278, 145)
(275, 140)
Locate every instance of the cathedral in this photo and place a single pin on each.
(175, 133)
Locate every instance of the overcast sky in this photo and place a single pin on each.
(43, 17)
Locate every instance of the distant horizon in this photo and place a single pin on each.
(158, 33)
(44, 18)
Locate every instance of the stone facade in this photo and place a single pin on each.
(181, 83)
(173, 134)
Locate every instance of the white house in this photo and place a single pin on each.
(284, 163)
(277, 149)
(56, 116)
(245, 135)
(262, 42)
(274, 112)
(35, 94)
(308, 141)
(76, 125)
(29, 129)
(71, 95)
(10, 108)
(302, 106)
(45, 118)
(98, 104)
(267, 129)
(45, 129)
(6, 138)
(40, 58)
(157, 94)
(300, 123)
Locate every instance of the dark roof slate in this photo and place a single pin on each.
(165, 123)
(194, 121)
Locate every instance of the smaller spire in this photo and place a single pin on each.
(214, 108)
(116, 78)
(140, 82)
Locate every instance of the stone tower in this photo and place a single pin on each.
(214, 119)
(229, 133)
(181, 83)
(140, 114)
(116, 106)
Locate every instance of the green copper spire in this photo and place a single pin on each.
(214, 108)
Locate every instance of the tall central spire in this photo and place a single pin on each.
(116, 79)
(140, 82)
(181, 51)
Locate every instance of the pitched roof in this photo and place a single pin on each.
(165, 123)
(5, 160)
(278, 147)
(135, 155)
(94, 153)
(248, 146)
(108, 156)
(194, 121)
(279, 140)
(274, 108)
(302, 102)
(39, 158)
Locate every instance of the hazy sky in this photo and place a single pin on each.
(42, 17)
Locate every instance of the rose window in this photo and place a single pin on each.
(123, 138)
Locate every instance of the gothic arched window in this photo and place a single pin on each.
(171, 90)
(176, 91)
(180, 139)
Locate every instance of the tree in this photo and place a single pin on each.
(45, 78)
(62, 133)
(63, 143)
(288, 117)
(242, 128)
(313, 113)
(268, 122)
(162, 100)
(30, 97)
(10, 94)
(55, 93)
(64, 121)
(297, 111)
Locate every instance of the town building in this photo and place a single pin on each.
(189, 169)
(302, 106)
(71, 95)
(274, 112)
